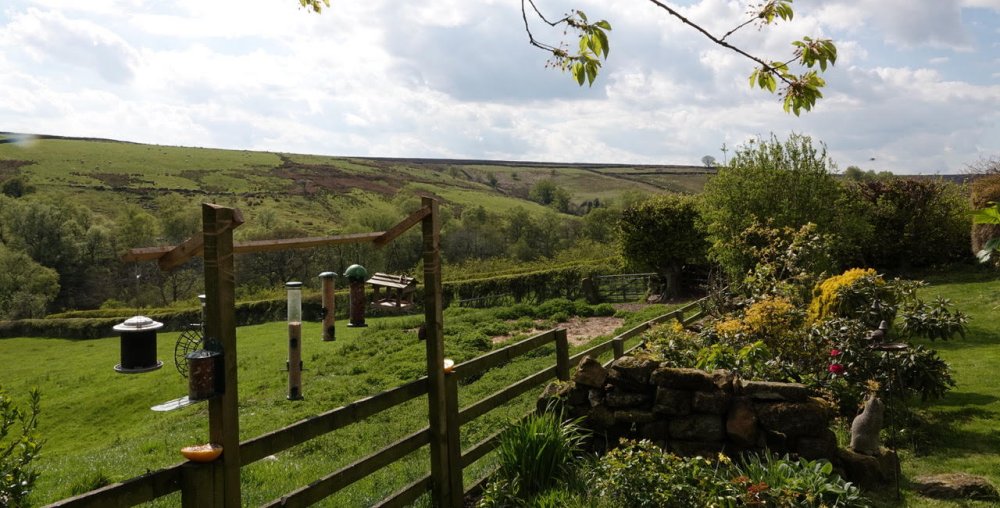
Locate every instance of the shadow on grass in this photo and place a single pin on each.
(938, 432)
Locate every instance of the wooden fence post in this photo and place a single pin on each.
(618, 344)
(220, 335)
(562, 355)
(201, 485)
(434, 335)
(453, 426)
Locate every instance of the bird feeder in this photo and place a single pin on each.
(329, 305)
(294, 340)
(356, 275)
(203, 379)
(138, 345)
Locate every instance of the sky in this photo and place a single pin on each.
(916, 87)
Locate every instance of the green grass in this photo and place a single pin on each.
(97, 425)
(961, 434)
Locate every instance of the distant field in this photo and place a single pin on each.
(68, 167)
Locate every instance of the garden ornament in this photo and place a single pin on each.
(866, 427)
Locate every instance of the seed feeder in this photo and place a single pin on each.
(329, 305)
(356, 275)
(138, 345)
(294, 364)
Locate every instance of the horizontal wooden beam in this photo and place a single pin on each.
(503, 355)
(407, 495)
(332, 483)
(179, 255)
(129, 492)
(259, 447)
(407, 223)
(151, 253)
(506, 395)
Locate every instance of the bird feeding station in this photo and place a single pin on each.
(356, 276)
(399, 290)
(294, 364)
(329, 305)
(138, 345)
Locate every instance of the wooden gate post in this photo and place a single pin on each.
(434, 330)
(220, 335)
(562, 355)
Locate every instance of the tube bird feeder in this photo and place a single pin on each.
(294, 364)
(356, 276)
(329, 305)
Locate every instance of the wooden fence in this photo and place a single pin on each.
(627, 287)
(197, 482)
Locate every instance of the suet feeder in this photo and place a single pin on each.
(329, 305)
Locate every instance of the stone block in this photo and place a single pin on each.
(634, 416)
(707, 428)
(672, 402)
(634, 369)
(741, 422)
(793, 419)
(710, 402)
(623, 399)
(683, 379)
(590, 373)
(770, 391)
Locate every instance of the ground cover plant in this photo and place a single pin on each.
(81, 393)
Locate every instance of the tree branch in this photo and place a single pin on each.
(767, 67)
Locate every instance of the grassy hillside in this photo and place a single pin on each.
(311, 190)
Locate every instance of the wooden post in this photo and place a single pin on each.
(434, 330)
(453, 425)
(562, 355)
(201, 485)
(220, 335)
(618, 344)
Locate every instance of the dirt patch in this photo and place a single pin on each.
(11, 167)
(578, 330)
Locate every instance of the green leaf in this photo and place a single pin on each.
(603, 24)
(578, 72)
(603, 39)
(988, 215)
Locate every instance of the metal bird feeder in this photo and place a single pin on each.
(138, 345)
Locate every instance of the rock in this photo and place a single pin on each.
(723, 380)
(707, 428)
(633, 369)
(590, 373)
(619, 380)
(634, 416)
(595, 397)
(770, 391)
(554, 396)
(870, 472)
(741, 422)
(774, 441)
(672, 402)
(956, 486)
(655, 431)
(793, 419)
(622, 399)
(710, 402)
(684, 379)
(823, 446)
(601, 417)
(578, 396)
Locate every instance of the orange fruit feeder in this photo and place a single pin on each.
(202, 453)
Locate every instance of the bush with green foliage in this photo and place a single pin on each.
(535, 455)
(915, 223)
(26, 287)
(780, 481)
(19, 446)
(982, 192)
(781, 184)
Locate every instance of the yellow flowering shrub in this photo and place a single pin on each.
(826, 299)
(770, 319)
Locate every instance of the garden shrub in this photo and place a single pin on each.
(639, 474)
(534, 455)
(857, 293)
(983, 191)
(915, 223)
(788, 261)
(19, 446)
(932, 320)
(772, 481)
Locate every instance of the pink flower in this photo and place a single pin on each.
(835, 352)
(836, 368)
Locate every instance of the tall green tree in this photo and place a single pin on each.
(662, 235)
(27, 289)
(780, 184)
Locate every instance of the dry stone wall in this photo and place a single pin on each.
(690, 411)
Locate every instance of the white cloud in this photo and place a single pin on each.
(51, 37)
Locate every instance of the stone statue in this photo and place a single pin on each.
(866, 426)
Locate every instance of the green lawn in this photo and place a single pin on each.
(97, 423)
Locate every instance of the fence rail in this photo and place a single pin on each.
(193, 478)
